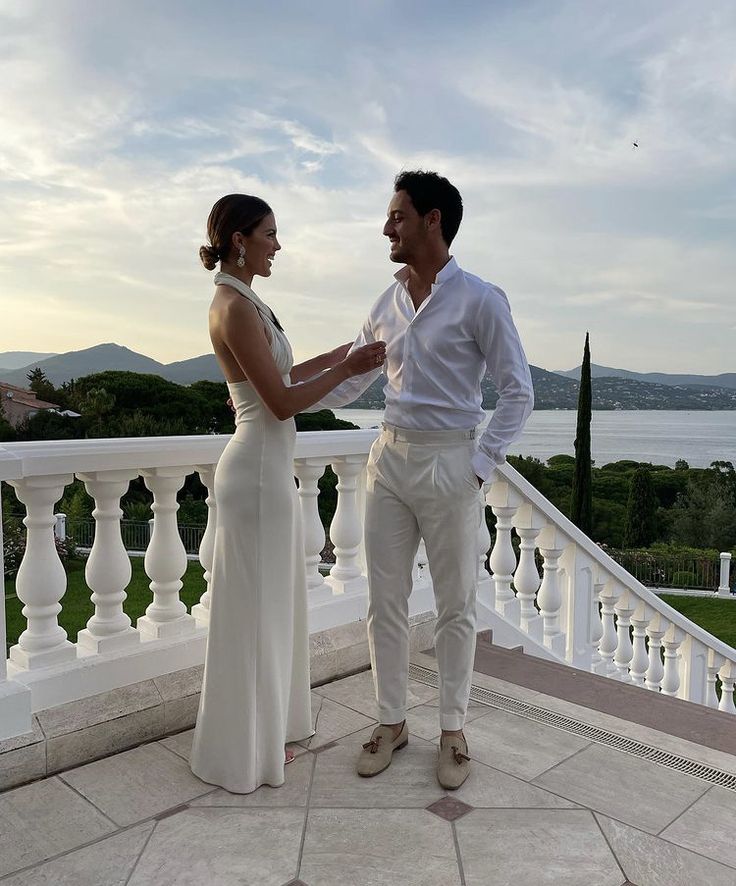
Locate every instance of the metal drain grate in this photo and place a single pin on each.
(592, 733)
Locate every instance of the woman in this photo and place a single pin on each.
(255, 690)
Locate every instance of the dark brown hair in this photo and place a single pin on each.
(429, 191)
(232, 213)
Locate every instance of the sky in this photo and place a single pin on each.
(121, 123)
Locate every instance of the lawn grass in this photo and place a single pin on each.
(77, 607)
(718, 617)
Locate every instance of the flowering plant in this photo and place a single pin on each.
(14, 547)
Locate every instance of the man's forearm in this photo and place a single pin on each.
(345, 393)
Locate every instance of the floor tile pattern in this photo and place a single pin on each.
(541, 806)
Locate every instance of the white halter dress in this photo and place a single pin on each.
(255, 690)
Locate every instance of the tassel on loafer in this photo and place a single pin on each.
(453, 765)
(376, 754)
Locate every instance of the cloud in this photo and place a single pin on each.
(120, 127)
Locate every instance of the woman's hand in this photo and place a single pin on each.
(365, 359)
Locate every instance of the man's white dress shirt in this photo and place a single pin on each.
(436, 357)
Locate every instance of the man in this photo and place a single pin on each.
(443, 329)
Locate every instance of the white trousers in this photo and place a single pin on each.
(421, 484)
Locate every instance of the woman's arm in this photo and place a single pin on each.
(309, 368)
(239, 326)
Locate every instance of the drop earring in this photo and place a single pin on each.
(241, 258)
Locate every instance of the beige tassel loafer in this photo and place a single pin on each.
(453, 766)
(376, 753)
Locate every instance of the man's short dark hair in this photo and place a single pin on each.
(428, 191)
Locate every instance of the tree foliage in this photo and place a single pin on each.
(641, 511)
(40, 385)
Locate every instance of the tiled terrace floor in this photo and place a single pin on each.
(542, 806)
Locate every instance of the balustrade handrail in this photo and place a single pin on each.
(46, 457)
(609, 565)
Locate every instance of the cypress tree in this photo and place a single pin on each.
(640, 528)
(581, 507)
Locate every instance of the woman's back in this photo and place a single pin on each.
(279, 344)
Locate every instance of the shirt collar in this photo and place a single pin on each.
(443, 276)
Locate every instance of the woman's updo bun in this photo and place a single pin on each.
(231, 214)
(209, 257)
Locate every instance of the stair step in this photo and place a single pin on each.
(684, 719)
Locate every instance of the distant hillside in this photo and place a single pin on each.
(76, 364)
(725, 380)
(619, 389)
(10, 360)
(204, 368)
(554, 391)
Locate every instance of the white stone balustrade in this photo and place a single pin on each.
(582, 613)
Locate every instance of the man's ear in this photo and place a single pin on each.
(432, 219)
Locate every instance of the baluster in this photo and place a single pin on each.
(308, 472)
(504, 502)
(421, 565)
(671, 642)
(727, 674)
(346, 530)
(201, 610)
(624, 649)
(486, 585)
(549, 598)
(640, 658)
(166, 558)
(108, 570)
(609, 640)
(597, 663)
(576, 573)
(693, 670)
(15, 697)
(503, 564)
(656, 629)
(527, 580)
(41, 580)
(724, 585)
(714, 664)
